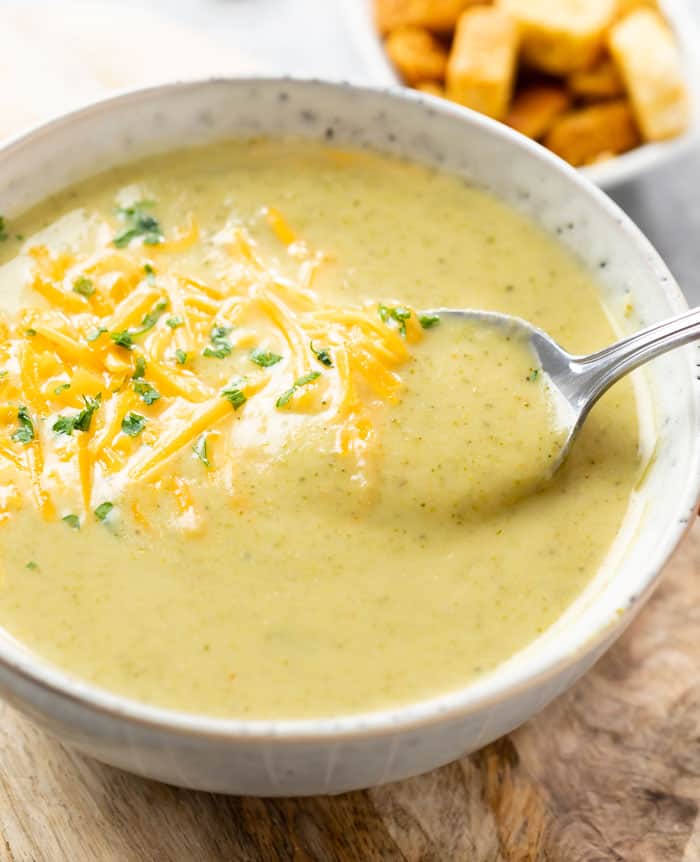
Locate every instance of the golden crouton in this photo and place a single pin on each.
(650, 64)
(601, 81)
(417, 54)
(432, 88)
(624, 7)
(561, 36)
(536, 107)
(582, 137)
(438, 15)
(481, 68)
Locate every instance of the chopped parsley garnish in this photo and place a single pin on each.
(3, 230)
(125, 337)
(25, 432)
(180, 356)
(174, 322)
(31, 332)
(79, 421)
(322, 355)
(61, 388)
(533, 375)
(264, 358)
(150, 272)
(72, 521)
(84, 286)
(32, 566)
(139, 223)
(133, 424)
(3, 373)
(150, 320)
(398, 314)
(149, 394)
(235, 395)
(200, 450)
(122, 338)
(287, 396)
(428, 321)
(220, 346)
(95, 334)
(139, 367)
(103, 510)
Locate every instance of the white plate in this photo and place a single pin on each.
(359, 20)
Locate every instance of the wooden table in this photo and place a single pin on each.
(610, 771)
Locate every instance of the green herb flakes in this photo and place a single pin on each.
(235, 395)
(533, 375)
(122, 339)
(79, 421)
(61, 388)
(200, 450)
(263, 358)
(428, 321)
(150, 320)
(139, 223)
(103, 510)
(83, 286)
(287, 396)
(174, 322)
(73, 521)
(25, 432)
(139, 368)
(180, 356)
(133, 424)
(149, 394)
(220, 346)
(398, 314)
(323, 355)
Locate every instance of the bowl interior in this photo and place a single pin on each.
(490, 157)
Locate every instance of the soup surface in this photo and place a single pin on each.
(244, 472)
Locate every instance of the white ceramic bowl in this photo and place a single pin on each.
(377, 70)
(333, 755)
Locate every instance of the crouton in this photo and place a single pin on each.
(624, 7)
(417, 54)
(602, 81)
(432, 88)
(481, 68)
(536, 107)
(561, 36)
(437, 15)
(650, 65)
(582, 137)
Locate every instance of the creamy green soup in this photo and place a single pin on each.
(244, 474)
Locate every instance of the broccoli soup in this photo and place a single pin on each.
(243, 472)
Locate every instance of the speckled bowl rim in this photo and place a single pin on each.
(485, 691)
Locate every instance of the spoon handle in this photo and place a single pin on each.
(597, 373)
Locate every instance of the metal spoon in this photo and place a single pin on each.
(577, 382)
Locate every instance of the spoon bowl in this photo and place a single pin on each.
(575, 382)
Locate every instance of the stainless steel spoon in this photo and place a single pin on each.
(577, 382)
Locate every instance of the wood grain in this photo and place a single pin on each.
(610, 771)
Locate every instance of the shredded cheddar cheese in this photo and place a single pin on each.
(122, 331)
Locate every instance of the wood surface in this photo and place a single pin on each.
(610, 771)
